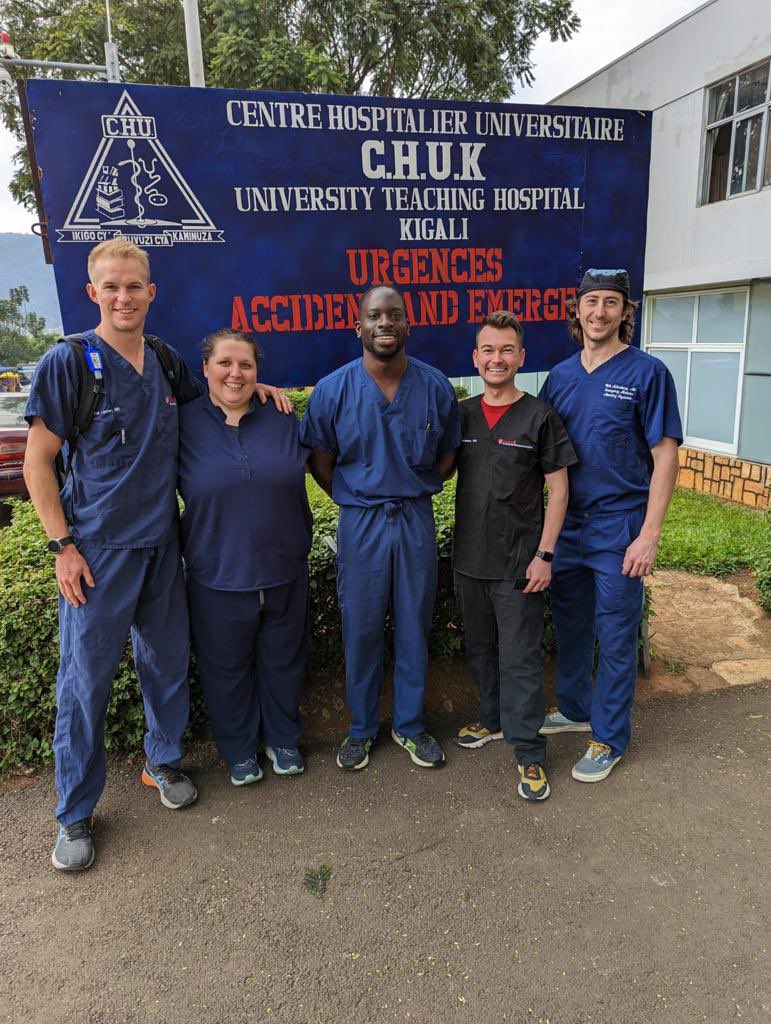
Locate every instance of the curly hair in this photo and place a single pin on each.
(625, 330)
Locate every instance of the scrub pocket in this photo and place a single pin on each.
(419, 447)
(510, 466)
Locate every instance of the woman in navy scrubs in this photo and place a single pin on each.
(246, 533)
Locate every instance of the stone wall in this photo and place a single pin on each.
(745, 482)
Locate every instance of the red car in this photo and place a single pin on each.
(13, 441)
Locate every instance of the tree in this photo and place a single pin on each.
(23, 337)
(434, 49)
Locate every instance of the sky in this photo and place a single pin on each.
(609, 29)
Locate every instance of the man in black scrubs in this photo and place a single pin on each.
(503, 544)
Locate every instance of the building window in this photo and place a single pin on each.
(700, 336)
(737, 148)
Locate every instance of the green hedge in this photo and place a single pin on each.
(763, 566)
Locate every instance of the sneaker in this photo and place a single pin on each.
(596, 764)
(74, 849)
(354, 753)
(244, 772)
(286, 760)
(176, 789)
(475, 735)
(533, 784)
(423, 748)
(555, 721)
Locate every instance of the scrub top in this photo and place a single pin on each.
(499, 494)
(247, 523)
(614, 416)
(385, 451)
(120, 492)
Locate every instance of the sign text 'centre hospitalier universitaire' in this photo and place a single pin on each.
(274, 212)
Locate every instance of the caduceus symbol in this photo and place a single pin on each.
(141, 222)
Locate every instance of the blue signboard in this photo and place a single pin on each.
(274, 212)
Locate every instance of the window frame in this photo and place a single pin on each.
(763, 108)
(693, 346)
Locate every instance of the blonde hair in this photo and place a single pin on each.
(117, 248)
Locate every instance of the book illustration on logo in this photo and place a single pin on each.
(133, 188)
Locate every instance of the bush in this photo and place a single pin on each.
(763, 566)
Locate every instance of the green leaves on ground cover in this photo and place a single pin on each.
(706, 535)
(316, 879)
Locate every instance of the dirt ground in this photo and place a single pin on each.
(638, 900)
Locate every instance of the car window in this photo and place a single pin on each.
(12, 410)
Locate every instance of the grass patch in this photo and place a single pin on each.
(706, 535)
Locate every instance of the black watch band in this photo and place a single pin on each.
(57, 544)
(547, 556)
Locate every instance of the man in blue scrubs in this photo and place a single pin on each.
(620, 410)
(114, 531)
(384, 429)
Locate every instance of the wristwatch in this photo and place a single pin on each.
(57, 545)
(547, 556)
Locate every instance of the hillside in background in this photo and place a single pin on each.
(22, 262)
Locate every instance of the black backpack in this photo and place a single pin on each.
(89, 390)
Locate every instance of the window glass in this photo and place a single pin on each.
(752, 87)
(717, 157)
(721, 317)
(676, 361)
(712, 396)
(672, 318)
(721, 101)
(744, 172)
(767, 172)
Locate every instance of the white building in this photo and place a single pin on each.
(707, 313)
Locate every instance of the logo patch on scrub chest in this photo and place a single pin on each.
(515, 444)
(170, 400)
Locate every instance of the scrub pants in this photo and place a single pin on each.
(590, 598)
(386, 557)
(250, 646)
(503, 631)
(141, 590)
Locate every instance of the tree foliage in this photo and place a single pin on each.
(434, 49)
(23, 337)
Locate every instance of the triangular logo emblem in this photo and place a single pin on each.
(133, 189)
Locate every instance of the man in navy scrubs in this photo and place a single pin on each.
(503, 546)
(114, 531)
(384, 429)
(620, 410)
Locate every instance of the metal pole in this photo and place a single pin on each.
(193, 39)
(16, 62)
(111, 60)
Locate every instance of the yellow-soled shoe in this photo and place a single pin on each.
(475, 735)
(533, 784)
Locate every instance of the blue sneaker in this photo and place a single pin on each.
(244, 772)
(423, 748)
(286, 760)
(596, 764)
(74, 850)
(176, 790)
(555, 722)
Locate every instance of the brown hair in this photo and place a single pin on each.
(119, 248)
(501, 320)
(625, 329)
(230, 334)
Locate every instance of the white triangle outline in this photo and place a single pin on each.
(75, 219)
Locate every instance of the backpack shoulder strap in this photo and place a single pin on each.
(89, 389)
(169, 363)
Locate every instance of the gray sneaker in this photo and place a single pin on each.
(74, 849)
(423, 748)
(176, 789)
(555, 722)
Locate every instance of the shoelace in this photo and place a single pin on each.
(289, 751)
(597, 750)
(77, 830)
(532, 773)
(249, 763)
(169, 776)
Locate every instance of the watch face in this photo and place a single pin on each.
(54, 547)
